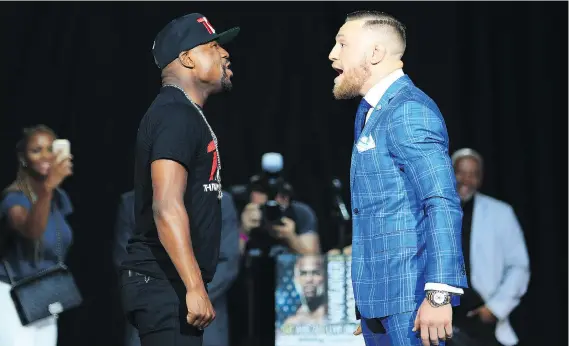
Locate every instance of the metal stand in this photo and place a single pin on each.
(260, 284)
(341, 229)
(341, 234)
(252, 340)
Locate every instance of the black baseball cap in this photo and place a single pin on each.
(185, 33)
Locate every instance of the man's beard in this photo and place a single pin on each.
(351, 82)
(466, 198)
(315, 302)
(225, 81)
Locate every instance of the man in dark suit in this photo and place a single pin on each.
(216, 334)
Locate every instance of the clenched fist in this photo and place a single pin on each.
(200, 310)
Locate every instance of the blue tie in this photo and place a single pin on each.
(363, 108)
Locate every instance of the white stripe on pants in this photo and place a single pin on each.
(12, 333)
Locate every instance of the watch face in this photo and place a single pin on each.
(439, 297)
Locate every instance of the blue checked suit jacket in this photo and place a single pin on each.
(406, 210)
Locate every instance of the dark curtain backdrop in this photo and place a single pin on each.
(498, 71)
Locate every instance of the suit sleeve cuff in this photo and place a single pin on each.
(429, 286)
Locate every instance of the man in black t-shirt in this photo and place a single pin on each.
(175, 247)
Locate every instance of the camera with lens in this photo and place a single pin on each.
(264, 202)
(271, 182)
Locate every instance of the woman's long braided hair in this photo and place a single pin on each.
(22, 182)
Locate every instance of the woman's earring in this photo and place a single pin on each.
(23, 163)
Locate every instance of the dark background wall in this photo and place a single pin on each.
(498, 71)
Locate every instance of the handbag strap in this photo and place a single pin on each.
(7, 266)
(9, 271)
(58, 251)
(58, 226)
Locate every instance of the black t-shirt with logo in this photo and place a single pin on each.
(173, 129)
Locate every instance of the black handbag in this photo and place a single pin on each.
(46, 293)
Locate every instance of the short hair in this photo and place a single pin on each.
(467, 152)
(377, 19)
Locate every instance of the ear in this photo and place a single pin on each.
(186, 60)
(377, 54)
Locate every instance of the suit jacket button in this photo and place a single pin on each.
(356, 211)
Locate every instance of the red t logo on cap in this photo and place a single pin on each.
(208, 26)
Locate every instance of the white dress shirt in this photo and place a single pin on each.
(373, 97)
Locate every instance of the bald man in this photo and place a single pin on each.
(310, 277)
(407, 263)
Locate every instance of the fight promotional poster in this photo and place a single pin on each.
(314, 302)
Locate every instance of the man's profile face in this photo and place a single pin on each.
(212, 65)
(468, 177)
(349, 60)
(310, 276)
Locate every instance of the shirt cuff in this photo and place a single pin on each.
(429, 286)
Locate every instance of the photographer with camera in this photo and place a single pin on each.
(272, 222)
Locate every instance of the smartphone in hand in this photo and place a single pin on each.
(61, 147)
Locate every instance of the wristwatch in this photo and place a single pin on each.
(438, 298)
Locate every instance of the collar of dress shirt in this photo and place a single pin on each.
(376, 92)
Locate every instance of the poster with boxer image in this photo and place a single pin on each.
(314, 302)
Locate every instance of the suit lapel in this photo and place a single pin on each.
(353, 167)
(478, 212)
(375, 116)
(391, 92)
(478, 228)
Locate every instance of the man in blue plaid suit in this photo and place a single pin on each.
(407, 264)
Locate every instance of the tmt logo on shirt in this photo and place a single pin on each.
(215, 186)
